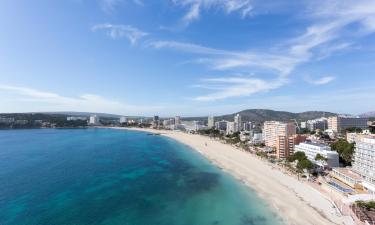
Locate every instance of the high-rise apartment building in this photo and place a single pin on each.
(177, 120)
(364, 161)
(231, 128)
(211, 122)
(320, 124)
(273, 129)
(341, 123)
(248, 126)
(123, 119)
(285, 145)
(238, 123)
(94, 120)
(221, 125)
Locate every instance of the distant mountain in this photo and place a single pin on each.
(67, 113)
(87, 114)
(261, 115)
(368, 114)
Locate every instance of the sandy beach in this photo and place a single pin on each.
(297, 202)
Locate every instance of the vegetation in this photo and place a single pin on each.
(33, 120)
(233, 138)
(372, 129)
(319, 157)
(366, 205)
(297, 156)
(262, 154)
(345, 150)
(210, 132)
(261, 115)
(354, 130)
(303, 163)
(304, 131)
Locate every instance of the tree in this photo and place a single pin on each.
(354, 130)
(319, 157)
(304, 164)
(345, 150)
(365, 205)
(297, 156)
(262, 154)
(372, 129)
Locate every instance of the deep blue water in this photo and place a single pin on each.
(116, 177)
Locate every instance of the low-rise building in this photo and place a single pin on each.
(245, 136)
(257, 138)
(351, 137)
(347, 176)
(21, 122)
(312, 149)
(123, 119)
(6, 120)
(75, 118)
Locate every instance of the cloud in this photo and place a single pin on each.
(25, 97)
(109, 6)
(195, 7)
(335, 27)
(121, 31)
(320, 81)
(236, 87)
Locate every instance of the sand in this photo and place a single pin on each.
(296, 202)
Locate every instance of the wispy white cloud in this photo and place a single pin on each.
(195, 7)
(121, 31)
(327, 35)
(49, 101)
(109, 6)
(320, 81)
(237, 87)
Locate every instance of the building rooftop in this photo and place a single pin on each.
(316, 144)
(348, 172)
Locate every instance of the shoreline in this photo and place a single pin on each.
(295, 202)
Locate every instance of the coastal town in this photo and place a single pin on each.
(333, 155)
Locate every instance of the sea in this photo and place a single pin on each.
(117, 177)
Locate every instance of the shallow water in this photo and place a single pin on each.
(117, 177)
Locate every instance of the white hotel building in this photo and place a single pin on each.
(311, 149)
(364, 161)
(94, 120)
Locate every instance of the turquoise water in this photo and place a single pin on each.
(116, 177)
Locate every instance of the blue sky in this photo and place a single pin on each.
(187, 57)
